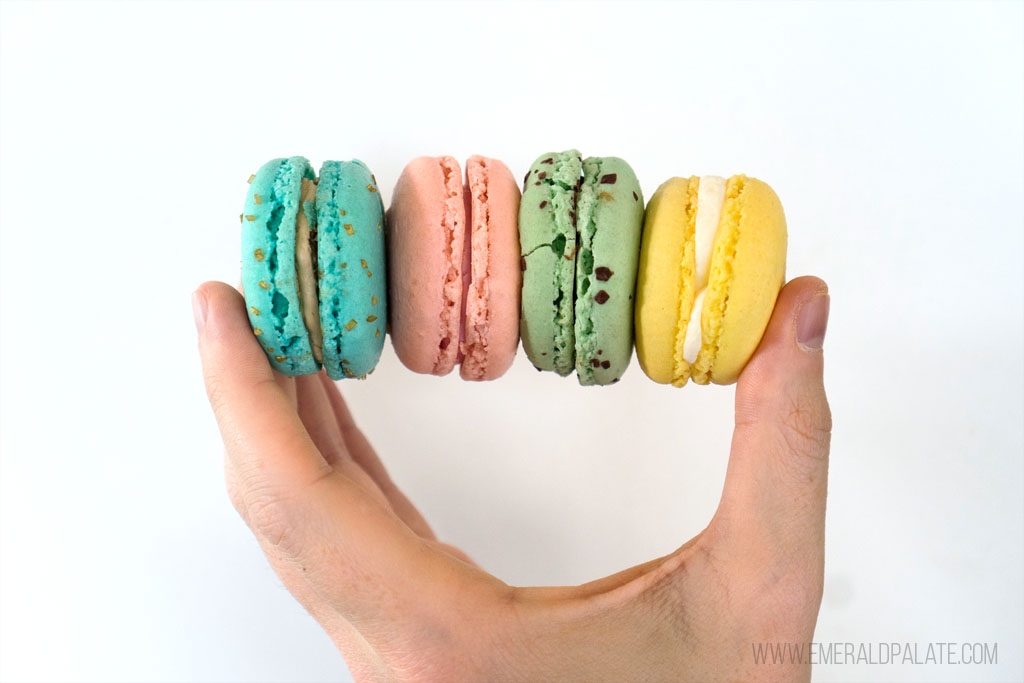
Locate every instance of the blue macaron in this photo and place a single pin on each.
(269, 275)
(352, 281)
(313, 266)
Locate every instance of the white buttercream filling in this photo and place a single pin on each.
(710, 198)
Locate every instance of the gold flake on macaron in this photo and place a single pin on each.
(258, 254)
(256, 198)
(264, 285)
(280, 359)
(255, 311)
(349, 229)
(249, 217)
(371, 188)
(251, 178)
(371, 318)
(350, 324)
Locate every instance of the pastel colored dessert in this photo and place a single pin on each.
(300, 237)
(453, 270)
(278, 196)
(712, 262)
(579, 230)
(351, 262)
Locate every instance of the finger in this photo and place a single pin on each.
(355, 552)
(286, 383)
(776, 482)
(257, 420)
(314, 409)
(315, 412)
(365, 456)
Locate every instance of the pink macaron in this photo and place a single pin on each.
(453, 267)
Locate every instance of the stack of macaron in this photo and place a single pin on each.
(463, 266)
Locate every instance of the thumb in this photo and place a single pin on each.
(776, 482)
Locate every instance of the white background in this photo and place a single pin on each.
(894, 135)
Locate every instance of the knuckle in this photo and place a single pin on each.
(235, 494)
(271, 515)
(216, 390)
(787, 600)
(806, 427)
(271, 518)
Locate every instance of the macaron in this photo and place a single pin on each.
(712, 262)
(352, 272)
(300, 236)
(580, 223)
(453, 267)
(280, 299)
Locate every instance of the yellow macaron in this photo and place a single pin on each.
(712, 261)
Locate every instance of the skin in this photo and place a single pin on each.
(402, 606)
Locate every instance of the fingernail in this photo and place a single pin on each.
(199, 309)
(811, 323)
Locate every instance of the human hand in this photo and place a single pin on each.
(402, 606)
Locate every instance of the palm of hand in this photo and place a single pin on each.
(403, 606)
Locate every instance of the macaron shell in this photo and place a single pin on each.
(268, 264)
(748, 268)
(351, 263)
(664, 291)
(426, 237)
(610, 209)
(491, 334)
(547, 237)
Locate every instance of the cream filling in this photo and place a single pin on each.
(710, 198)
(305, 270)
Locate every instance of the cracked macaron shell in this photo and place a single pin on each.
(426, 235)
(547, 237)
(610, 212)
(747, 270)
(269, 277)
(351, 268)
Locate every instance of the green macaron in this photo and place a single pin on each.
(610, 211)
(547, 237)
(579, 225)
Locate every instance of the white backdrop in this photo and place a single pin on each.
(894, 135)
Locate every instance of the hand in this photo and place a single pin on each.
(402, 606)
